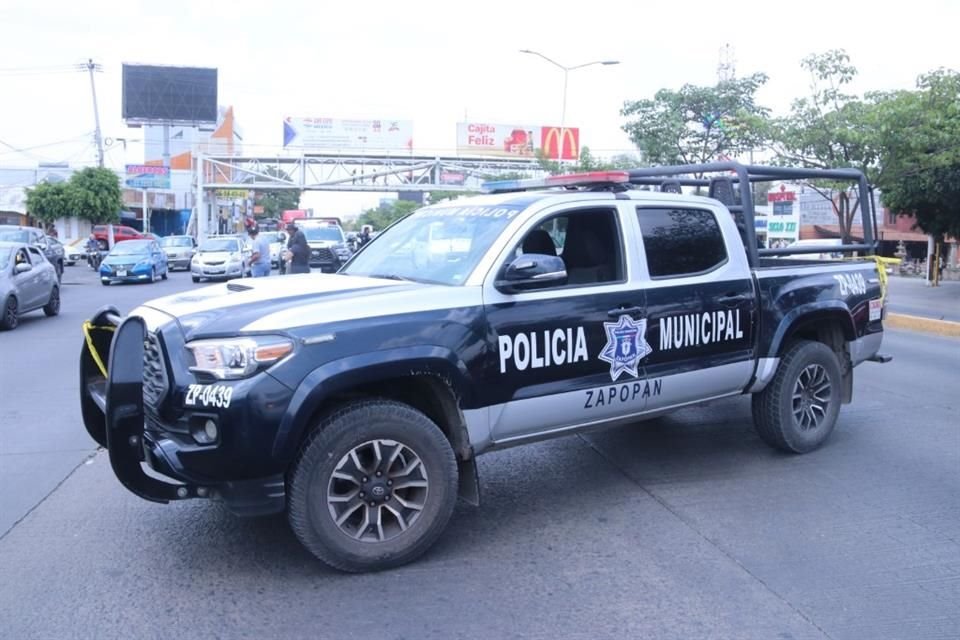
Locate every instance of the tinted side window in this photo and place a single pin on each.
(588, 241)
(35, 256)
(681, 241)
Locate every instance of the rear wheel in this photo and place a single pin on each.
(195, 278)
(373, 488)
(798, 410)
(11, 314)
(52, 307)
(164, 274)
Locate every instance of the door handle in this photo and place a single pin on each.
(732, 299)
(624, 311)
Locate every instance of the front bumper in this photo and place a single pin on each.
(226, 270)
(134, 275)
(162, 432)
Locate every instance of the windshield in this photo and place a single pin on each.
(176, 241)
(323, 234)
(14, 235)
(131, 247)
(440, 245)
(220, 244)
(5, 253)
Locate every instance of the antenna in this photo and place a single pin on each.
(727, 67)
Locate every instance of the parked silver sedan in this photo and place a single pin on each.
(27, 282)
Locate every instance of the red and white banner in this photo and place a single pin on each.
(517, 140)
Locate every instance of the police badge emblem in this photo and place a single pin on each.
(626, 346)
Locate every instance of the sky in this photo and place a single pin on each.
(435, 63)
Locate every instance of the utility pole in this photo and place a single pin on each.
(98, 136)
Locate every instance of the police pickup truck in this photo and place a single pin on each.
(357, 402)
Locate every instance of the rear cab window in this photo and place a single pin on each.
(681, 242)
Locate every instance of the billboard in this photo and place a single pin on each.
(169, 94)
(336, 134)
(143, 176)
(517, 140)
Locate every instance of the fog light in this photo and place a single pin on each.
(210, 430)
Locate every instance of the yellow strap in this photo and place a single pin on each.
(87, 328)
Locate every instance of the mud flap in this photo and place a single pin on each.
(95, 351)
(469, 486)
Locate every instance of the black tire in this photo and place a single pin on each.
(355, 428)
(59, 267)
(52, 308)
(153, 275)
(11, 314)
(105, 283)
(164, 274)
(794, 424)
(195, 278)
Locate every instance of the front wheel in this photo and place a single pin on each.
(373, 488)
(798, 410)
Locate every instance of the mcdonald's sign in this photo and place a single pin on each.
(560, 145)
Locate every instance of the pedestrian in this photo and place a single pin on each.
(260, 260)
(298, 251)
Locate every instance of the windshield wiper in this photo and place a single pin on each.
(390, 276)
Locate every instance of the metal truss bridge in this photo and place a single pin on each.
(337, 172)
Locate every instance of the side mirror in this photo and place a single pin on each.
(532, 271)
(23, 267)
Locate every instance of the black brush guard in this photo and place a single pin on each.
(112, 404)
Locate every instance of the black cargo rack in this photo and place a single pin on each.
(725, 188)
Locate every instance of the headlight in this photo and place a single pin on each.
(142, 263)
(234, 358)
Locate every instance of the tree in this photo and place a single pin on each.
(276, 201)
(49, 201)
(587, 162)
(918, 146)
(829, 129)
(382, 217)
(696, 124)
(94, 195)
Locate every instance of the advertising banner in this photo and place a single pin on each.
(335, 134)
(517, 140)
(143, 176)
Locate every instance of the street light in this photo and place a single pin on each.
(566, 71)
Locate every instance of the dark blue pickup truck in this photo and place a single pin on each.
(357, 402)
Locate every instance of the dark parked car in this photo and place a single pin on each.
(27, 282)
(51, 247)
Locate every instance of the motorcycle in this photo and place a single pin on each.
(94, 258)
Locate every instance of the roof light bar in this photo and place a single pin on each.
(568, 180)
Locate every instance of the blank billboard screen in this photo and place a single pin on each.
(181, 94)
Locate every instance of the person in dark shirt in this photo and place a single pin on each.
(298, 251)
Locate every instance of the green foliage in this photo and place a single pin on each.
(94, 195)
(586, 162)
(698, 124)
(382, 217)
(917, 136)
(49, 201)
(829, 129)
(276, 201)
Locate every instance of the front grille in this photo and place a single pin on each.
(215, 263)
(322, 255)
(154, 370)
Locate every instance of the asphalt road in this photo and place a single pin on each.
(913, 297)
(682, 527)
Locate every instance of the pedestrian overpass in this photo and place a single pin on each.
(340, 172)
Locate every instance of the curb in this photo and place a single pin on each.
(927, 325)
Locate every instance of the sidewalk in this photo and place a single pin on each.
(912, 296)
